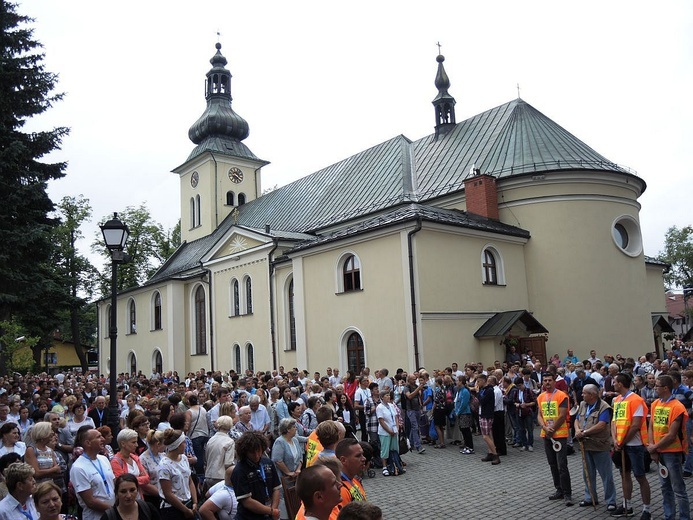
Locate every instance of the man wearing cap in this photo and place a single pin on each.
(668, 445)
(553, 407)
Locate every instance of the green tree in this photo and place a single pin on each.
(78, 276)
(17, 347)
(678, 251)
(27, 286)
(149, 246)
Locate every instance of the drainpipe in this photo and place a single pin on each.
(216, 193)
(211, 315)
(270, 263)
(412, 288)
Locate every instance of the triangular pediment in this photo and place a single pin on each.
(235, 244)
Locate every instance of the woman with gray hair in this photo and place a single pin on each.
(125, 461)
(286, 455)
(220, 452)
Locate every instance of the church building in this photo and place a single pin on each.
(501, 229)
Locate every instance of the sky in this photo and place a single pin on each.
(319, 81)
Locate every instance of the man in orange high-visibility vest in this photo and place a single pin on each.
(553, 405)
(629, 431)
(668, 446)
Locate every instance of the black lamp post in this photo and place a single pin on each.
(115, 234)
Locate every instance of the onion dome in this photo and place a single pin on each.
(219, 128)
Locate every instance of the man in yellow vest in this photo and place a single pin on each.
(553, 405)
(629, 431)
(669, 446)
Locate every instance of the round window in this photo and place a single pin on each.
(625, 233)
(620, 236)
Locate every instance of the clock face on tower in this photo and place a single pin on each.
(236, 175)
(194, 179)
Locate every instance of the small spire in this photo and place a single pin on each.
(443, 103)
(518, 91)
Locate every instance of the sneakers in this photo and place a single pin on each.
(467, 451)
(421, 450)
(646, 515)
(568, 500)
(528, 448)
(622, 512)
(611, 508)
(558, 495)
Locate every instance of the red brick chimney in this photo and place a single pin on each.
(482, 196)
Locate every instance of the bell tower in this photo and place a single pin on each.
(221, 173)
(444, 103)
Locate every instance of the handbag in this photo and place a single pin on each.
(432, 432)
(394, 464)
(404, 445)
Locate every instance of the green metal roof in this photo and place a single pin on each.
(511, 139)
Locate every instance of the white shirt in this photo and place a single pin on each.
(259, 418)
(498, 395)
(19, 448)
(178, 473)
(388, 413)
(10, 509)
(225, 499)
(96, 475)
(361, 395)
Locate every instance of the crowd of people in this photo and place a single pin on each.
(219, 445)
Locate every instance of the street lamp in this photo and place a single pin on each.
(115, 235)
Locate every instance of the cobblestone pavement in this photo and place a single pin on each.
(442, 484)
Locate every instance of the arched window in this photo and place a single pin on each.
(235, 298)
(200, 321)
(248, 295)
(251, 358)
(157, 362)
(241, 199)
(229, 198)
(355, 353)
(132, 317)
(132, 363)
(490, 270)
(352, 273)
(157, 311)
(198, 213)
(292, 316)
(193, 213)
(237, 357)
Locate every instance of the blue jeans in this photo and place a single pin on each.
(674, 488)
(199, 446)
(414, 417)
(689, 460)
(526, 430)
(599, 462)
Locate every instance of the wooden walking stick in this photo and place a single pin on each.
(586, 472)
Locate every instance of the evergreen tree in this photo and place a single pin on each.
(27, 284)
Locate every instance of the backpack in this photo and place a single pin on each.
(394, 464)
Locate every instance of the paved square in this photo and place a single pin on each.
(443, 484)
